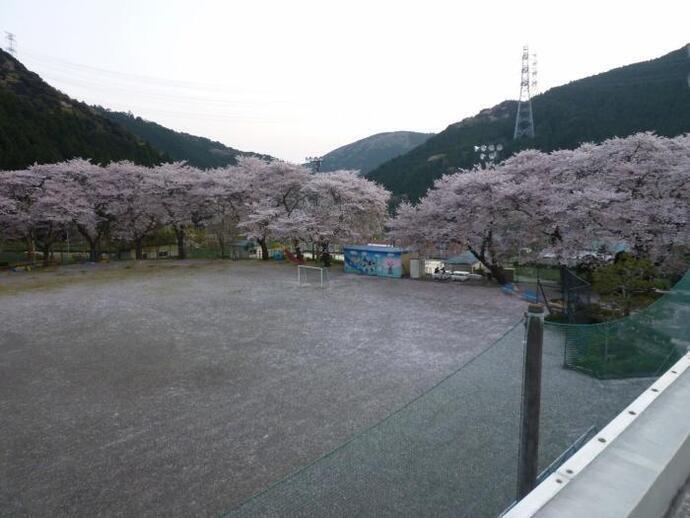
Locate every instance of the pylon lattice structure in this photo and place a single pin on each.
(11, 39)
(524, 121)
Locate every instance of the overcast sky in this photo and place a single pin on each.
(293, 78)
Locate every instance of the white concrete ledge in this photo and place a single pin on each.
(633, 467)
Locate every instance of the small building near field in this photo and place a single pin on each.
(379, 260)
(465, 262)
(242, 249)
(155, 252)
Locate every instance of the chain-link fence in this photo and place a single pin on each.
(577, 296)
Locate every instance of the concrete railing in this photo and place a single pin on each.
(633, 468)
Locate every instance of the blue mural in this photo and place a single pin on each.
(373, 260)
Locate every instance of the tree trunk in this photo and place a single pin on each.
(298, 250)
(325, 255)
(627, 301)
(31, 249)
(221, 244)
(181, 251)
(46, 254)
(264, 249)
(497, 273)
(94, 253)
(94, 244)
(495, 270)
(138, 249)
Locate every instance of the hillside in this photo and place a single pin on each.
(370, 152)
(197, 151)
(40, 124)
(647, 96)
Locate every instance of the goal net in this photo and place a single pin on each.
(312, 276)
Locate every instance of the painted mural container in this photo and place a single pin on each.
(382, 261)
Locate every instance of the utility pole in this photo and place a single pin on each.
(315, 163)
(11, 43)
(524, 122)
(528, 458)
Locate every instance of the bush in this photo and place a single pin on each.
(626, 285)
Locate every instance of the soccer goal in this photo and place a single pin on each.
(312, 275)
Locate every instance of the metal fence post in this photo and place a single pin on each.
(528, 459)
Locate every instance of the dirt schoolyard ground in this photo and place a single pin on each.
(182, 388)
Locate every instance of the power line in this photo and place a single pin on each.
(124, 76)
(162, 90)
(66, 79)
(163, 96)
(177, 98)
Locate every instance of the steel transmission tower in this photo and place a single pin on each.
(524, 122)
(11, 40)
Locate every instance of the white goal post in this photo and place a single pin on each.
(303, 275)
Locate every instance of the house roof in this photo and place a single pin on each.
(374, 248)
(464, 258)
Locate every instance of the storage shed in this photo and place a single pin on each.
(380, 260)
(466, 261)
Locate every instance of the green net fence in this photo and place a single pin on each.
(453, 451)
(432, 457)
(643, 344)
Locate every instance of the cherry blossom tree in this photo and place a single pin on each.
(18, 189)
(8, 209)
(274, 191)
(466, 208)
(565, 204)
(43, 205)
(625, 192)
(224, 192)
(629, 192)
(339, 206)
(99, 192)
(138, 203)
(8, 212)
(647, 177)
(182, 198)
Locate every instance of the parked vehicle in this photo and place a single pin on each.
(464, 276)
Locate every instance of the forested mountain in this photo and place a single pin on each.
(197, 151)
(370, 152)
(40, 124)
(648, 96)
